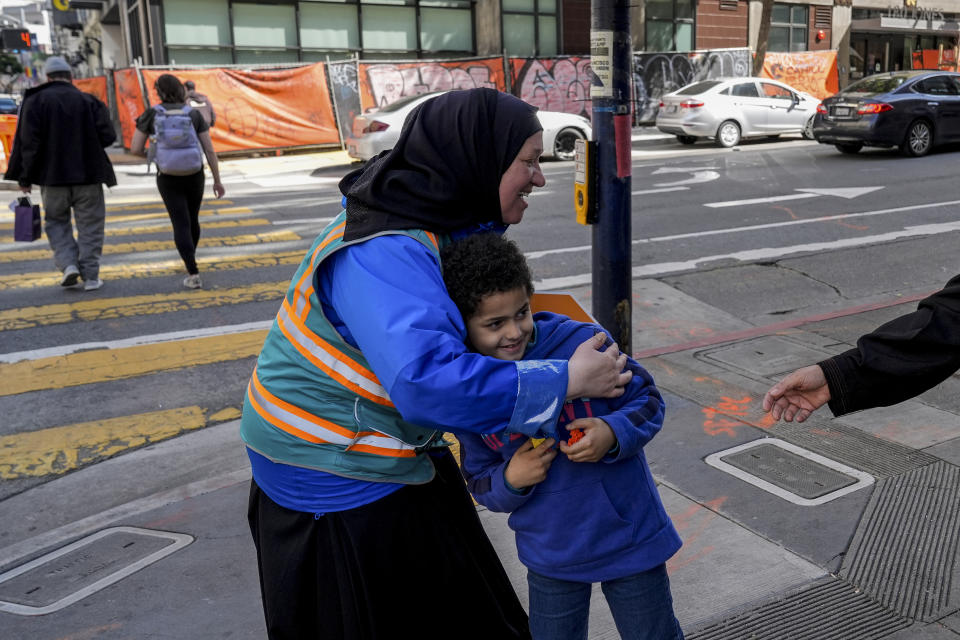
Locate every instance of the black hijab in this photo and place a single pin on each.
(444, 173)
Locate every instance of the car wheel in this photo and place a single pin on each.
(686, 139)
(728, 134)
(850, 147)
(807, 131)
(919, 139)
(565, 144)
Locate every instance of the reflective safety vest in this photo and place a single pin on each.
(313, 400)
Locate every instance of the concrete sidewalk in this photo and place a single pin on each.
(841, 529)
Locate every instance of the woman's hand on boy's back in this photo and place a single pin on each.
(598, 438)
(529, 464)
(595, 374)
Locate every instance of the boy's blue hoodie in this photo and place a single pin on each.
(586, 522)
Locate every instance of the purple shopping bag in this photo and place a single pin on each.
(26, 224)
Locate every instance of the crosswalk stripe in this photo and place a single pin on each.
(160, 268)
(207, 222)
(155, 204)
(110, 308)
(58, 450)
(103, 365)
(161, 245)
(226, 211)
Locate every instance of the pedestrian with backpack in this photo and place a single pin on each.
(182, 140)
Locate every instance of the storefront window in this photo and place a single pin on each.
(201, 32)
(669, 25)
(529, 27)
(788, 28)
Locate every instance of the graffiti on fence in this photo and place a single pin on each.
(381, 84)
(554, 84)
(345, 93)
(655, 74)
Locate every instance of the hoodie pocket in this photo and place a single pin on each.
(574, 526)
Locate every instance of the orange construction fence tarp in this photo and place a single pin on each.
(8, 128)
(933, 59)
(383, 83)
(129, 101)
(812, 71)
(95, 86)
(262, 109)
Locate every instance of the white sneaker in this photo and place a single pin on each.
(70, 276)
(192, 281)
(92, 285)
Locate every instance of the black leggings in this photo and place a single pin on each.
(182, 196)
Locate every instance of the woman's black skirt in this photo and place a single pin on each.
(414, 564)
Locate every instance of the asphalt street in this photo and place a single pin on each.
(120, 405)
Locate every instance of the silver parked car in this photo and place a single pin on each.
(379, 130)
(728, 109)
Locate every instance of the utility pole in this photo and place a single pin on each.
(610, 58)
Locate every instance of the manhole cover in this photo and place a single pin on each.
(71, 573)
(786, 470)
(796, 474)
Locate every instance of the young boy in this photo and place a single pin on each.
(590, 512)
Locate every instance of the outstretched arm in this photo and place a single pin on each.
(798, 395)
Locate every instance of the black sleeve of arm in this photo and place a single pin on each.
(900, 359)
(105, 130)
(199, 124)
(145, 121)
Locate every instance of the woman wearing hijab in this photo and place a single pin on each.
(362, 524)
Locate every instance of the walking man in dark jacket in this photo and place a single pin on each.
(59, 145)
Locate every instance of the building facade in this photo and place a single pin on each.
(870, 35)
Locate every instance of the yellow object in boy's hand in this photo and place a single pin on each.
(536, 442)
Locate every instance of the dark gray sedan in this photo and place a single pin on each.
(913, 110)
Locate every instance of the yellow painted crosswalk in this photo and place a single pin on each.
(57, 450)
(103, 365)
(131, 306)
(235, 239)
(161, 245)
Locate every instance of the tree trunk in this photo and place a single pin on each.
(763, 36)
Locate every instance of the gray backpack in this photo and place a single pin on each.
(178, 147)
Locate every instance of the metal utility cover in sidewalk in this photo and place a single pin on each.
(71, 573)
(790, 472)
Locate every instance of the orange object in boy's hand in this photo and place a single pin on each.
(595, 441)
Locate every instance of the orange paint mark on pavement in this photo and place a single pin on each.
(691, 525)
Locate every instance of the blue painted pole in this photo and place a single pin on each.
(610, 57)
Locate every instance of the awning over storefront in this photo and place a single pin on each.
(888, 24)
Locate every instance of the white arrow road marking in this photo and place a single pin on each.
(698, 176)
(848, 193)
(844, 192)
(663, 190)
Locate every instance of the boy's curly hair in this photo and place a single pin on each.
(482, 264)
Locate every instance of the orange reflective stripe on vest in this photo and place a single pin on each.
(329, 359)
(311, 428)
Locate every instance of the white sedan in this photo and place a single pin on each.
(728, 109)
(378, 130)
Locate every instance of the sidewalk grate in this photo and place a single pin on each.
(833, 610)
(71, 573)
(904, 551)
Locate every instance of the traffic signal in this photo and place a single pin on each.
(15, 39)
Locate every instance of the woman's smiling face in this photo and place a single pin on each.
(520, 178)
